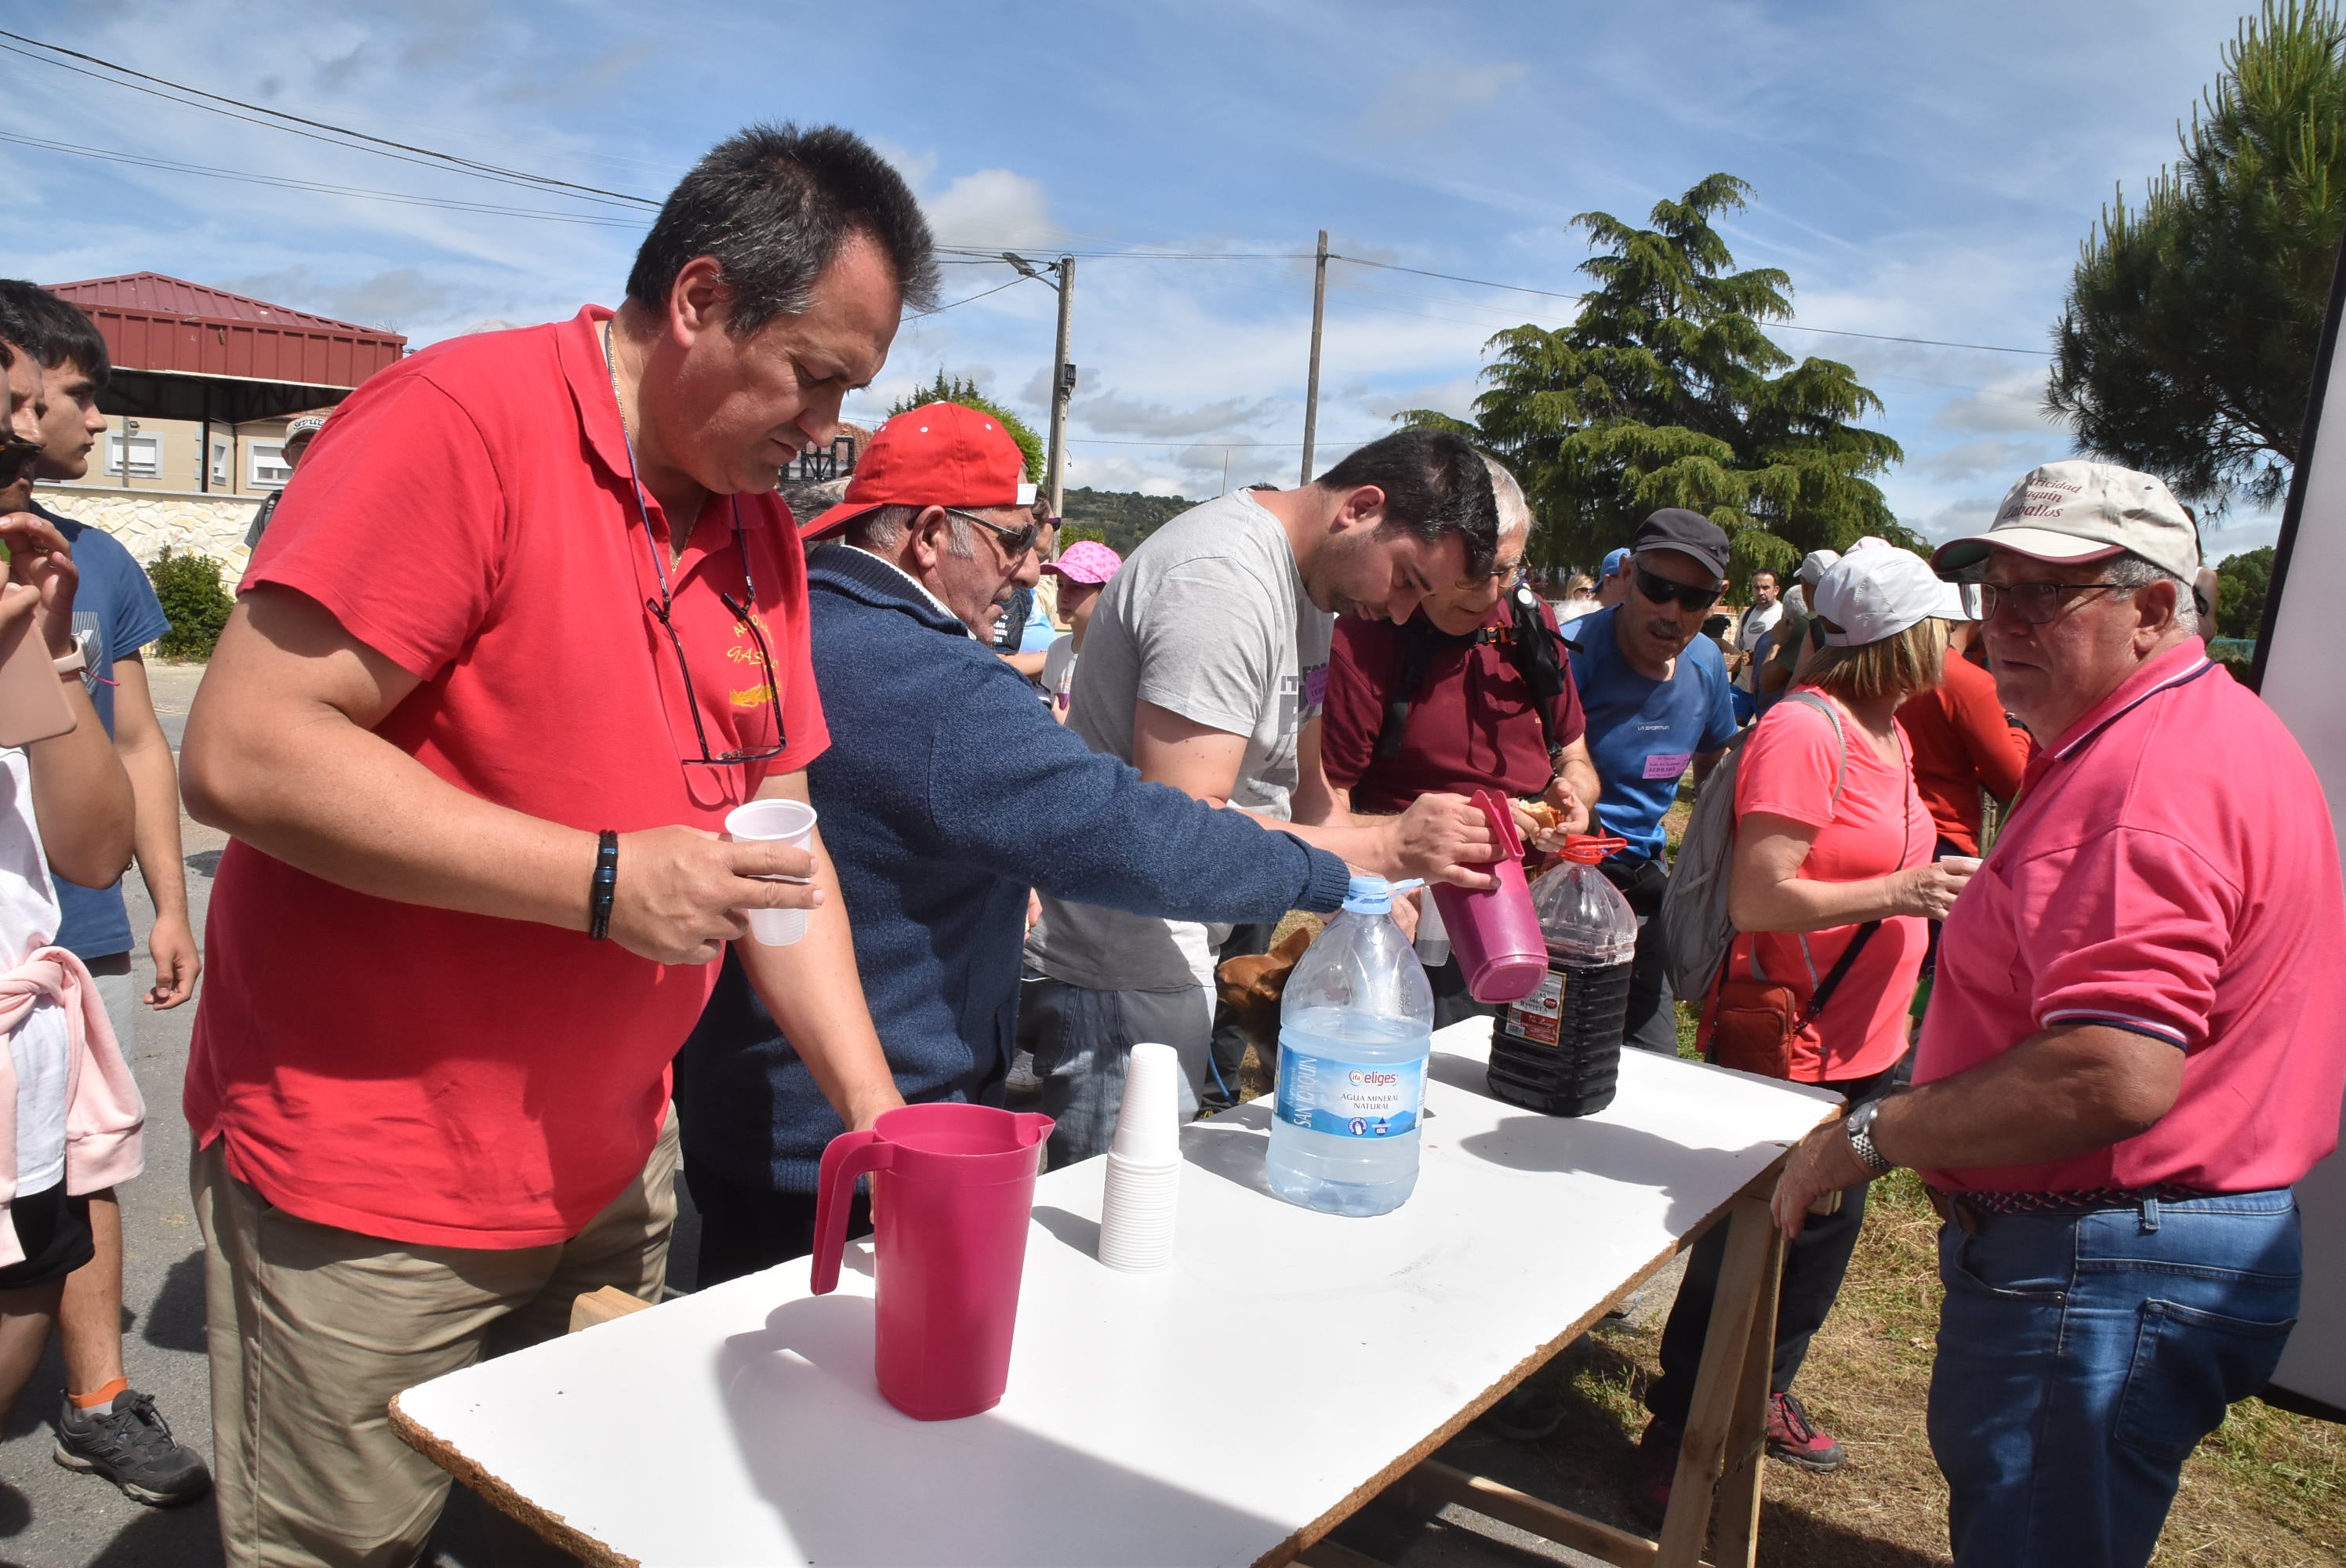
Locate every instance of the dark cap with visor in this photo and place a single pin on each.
(1690, 534)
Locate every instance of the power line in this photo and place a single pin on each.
(941, 310)
(1785, 326)
(278, 119)
(284, 182)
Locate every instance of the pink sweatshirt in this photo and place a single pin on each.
(104, 1113)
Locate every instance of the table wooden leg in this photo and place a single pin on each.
(1738, 1545)
(1726, 1347)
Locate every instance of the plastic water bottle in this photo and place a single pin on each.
(1355, 1031)
(1559, 1049)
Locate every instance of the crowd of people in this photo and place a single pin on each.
(478, 994)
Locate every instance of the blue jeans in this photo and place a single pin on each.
(2083, 1357)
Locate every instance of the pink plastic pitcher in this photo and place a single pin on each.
(1494, 931)
(952, 1189)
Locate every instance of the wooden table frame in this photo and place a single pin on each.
(1718, 1462)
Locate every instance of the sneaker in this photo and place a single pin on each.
(1793, 1438)
(1526, 1415)
(1654, 1469)
(132, 1446)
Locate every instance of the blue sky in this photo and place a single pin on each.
(1920, 171)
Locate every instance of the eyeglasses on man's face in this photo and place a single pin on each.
(2033, 603)
(1016, 541)
(1661, 590)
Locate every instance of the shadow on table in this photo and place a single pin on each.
(807, 1417)
(1233, 1146)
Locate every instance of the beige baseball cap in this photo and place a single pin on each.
(2077, 509)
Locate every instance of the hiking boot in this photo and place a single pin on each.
(1793, 1438)
(1653, 1469)
(132, 1446)
(1527, 1414)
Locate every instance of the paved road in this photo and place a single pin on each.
(53, 1517)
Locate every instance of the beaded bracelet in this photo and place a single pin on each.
(605, 884)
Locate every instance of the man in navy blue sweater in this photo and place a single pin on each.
(947, 793)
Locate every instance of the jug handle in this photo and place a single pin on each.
(844, 1158)
(1502, 818)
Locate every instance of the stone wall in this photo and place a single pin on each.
(151, 521)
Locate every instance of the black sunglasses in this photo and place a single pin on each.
(1661, 590)
(1016, 541)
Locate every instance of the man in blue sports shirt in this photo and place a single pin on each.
(1655, 695)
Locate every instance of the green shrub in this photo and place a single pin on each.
(193, 600)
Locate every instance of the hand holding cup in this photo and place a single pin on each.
(682, 891)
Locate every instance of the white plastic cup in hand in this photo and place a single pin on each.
(788, 822)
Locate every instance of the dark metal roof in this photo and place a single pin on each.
(183, 350)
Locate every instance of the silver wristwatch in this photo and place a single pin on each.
(1859, 1125)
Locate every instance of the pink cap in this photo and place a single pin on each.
(1085, 561)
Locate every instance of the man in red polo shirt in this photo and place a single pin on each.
(528, 622)
(2135, 1045)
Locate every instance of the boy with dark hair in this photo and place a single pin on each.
(104, 1425)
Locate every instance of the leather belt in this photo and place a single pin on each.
(1968, 1209)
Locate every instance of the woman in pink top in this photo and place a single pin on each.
(1832, 876)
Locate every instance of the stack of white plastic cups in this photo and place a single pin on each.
(1144, 1164)
(778, 821)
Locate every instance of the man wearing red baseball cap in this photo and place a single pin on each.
(947, 793)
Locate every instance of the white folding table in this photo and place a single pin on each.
(741, 1425)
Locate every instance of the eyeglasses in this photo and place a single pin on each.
(2033, 603)
(1016, 541)
(663, 610)
(1661, 590)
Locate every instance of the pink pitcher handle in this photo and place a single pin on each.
(844, 1158)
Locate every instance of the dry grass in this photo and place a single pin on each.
(2267, 1489)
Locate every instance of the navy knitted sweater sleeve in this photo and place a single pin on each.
(1009, 790)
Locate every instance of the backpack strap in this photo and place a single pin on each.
(1416, 658)
(1539, 661)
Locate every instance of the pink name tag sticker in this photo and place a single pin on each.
(1667, 764)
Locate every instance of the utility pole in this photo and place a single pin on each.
(1311, 387)
(1063, 374)
(1063, 387)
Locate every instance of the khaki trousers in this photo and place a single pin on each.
(314, 1329)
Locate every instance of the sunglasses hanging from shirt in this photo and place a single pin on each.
(663, 608)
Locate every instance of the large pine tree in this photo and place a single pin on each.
(1666, 392)
(2187, 342)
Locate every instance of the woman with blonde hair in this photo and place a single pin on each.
(1831, 880)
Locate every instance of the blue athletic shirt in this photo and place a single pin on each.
(115, 600)
(1643, 734)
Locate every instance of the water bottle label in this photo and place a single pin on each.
(1349, 1099)
(1539, 1017)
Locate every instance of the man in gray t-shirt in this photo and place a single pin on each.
(1204, 667)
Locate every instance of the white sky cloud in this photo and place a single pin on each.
(1928, 194)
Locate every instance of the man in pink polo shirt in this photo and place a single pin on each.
(528, 623)
(2137, 1043)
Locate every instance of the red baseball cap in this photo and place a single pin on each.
(938, 454)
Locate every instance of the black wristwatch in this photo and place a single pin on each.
(1859, 1126)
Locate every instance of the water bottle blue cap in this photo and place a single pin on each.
(1374, 895)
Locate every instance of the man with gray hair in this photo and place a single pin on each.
(1472, 692)
(2135, 1044)
(477, 890)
